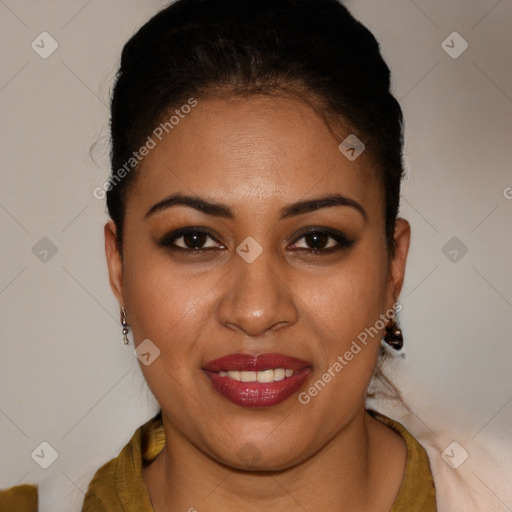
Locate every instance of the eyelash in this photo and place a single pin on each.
(343, 242)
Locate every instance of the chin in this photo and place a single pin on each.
(261, 456)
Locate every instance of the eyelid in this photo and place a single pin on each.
(343, 241)
(166, 240)
(320, 229)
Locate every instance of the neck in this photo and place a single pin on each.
(342, 475)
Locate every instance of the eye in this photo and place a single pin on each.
(318, 238)
(193, 240)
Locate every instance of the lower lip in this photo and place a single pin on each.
(258, 394)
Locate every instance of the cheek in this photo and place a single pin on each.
(171, 304)
(351, 297)
(346, 307)
(162, 301)
(168, 308)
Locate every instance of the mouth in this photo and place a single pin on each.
(257, 381)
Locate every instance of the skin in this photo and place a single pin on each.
(258, 155)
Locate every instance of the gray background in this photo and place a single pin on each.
(66, 377)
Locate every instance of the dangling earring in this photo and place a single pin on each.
(394, 335)
(125, 326)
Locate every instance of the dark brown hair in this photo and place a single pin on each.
(313, 49)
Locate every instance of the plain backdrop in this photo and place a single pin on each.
(66, 377)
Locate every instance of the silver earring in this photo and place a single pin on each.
(125, 326)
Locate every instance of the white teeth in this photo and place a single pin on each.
(262, 376)
(279, 374)
(248, 376)
(265, 376)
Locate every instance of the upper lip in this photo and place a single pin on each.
(248, 362)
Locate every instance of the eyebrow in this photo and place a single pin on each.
(222, 210)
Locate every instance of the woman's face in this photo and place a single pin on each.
(254, 289)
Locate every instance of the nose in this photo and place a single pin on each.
(256, 298)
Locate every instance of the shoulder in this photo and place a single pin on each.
(417, 491)
(102, 495)
(21, 498)
(118, 483)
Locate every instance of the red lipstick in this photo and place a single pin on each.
(257, 381)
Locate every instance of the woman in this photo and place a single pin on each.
(256, 254)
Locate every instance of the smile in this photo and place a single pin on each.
(257, 381)
(261, 376)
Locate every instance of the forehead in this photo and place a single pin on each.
(257, 150)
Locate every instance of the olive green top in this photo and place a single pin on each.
(21, 498)
(118, 485)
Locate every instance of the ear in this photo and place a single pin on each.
(114, 261)
(396, 274)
